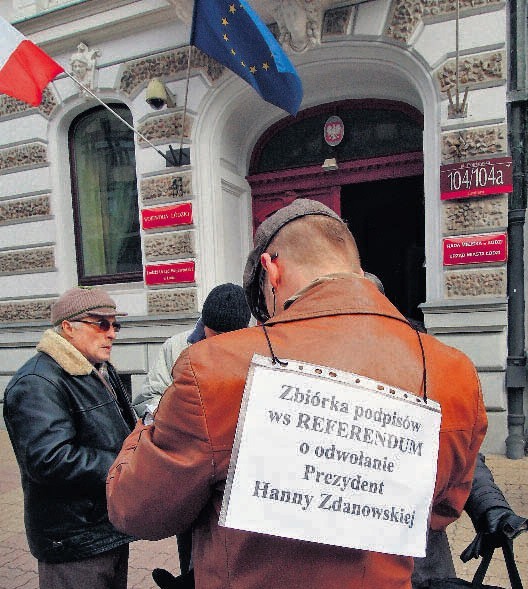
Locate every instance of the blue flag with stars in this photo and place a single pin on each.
(232, 33)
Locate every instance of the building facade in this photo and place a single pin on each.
(396, 93)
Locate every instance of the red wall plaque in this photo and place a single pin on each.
(476, 249)
(167, 216)
(477, 178)
(177, 272)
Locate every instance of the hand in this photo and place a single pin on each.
(496, 526)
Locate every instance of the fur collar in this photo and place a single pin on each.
(66, 356)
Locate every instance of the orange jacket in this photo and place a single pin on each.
(171, 475)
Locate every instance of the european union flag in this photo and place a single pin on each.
(233, 34)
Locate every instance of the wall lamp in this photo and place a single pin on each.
(330, 164)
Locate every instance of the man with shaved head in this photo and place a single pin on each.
(304, 283)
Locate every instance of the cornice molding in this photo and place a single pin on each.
(183, 10)
(93, 21)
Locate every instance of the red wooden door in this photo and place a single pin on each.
(265, 206)
(271, 191)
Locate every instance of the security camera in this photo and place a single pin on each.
(158, 95)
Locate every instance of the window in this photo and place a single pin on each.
(105, 201)
(373, 128)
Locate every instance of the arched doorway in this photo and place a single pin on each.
(376, 185)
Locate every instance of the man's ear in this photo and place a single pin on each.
(272, 268)
(67, 329)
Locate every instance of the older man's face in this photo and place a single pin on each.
(91, 340)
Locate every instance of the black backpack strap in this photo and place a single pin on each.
(513, 573)
(482, 569)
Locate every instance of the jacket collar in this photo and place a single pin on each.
(336, 294)
(319, 280)
(66, 356)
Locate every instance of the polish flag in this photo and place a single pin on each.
(25, 70)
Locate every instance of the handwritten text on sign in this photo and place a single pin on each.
(476, 249)
(476, 178)
(347, 461)
(167, 216)
(177, 272)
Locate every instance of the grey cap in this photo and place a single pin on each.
(80, 302)
(263, 237)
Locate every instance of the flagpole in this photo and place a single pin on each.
(172, 163)
(185, 102)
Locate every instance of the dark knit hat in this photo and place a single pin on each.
(78, 302)
(226, 309)
(263, 237)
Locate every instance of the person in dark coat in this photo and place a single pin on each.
(494, 521)
(67, 414)
(492, 516)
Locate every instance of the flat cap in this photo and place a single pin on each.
(263, 237)
(79, 302)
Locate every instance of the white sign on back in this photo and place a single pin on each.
(332, 457)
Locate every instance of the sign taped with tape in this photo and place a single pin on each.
(332, 457)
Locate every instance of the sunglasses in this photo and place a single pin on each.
(102, 324)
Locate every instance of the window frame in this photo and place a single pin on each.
(83, 280)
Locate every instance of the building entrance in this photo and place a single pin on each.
(375, 183)
(387, 219)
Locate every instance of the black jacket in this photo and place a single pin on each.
(485, 495)
(66, 426)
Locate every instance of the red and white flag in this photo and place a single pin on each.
(25, 70)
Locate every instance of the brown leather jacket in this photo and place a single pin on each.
(171, 475)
